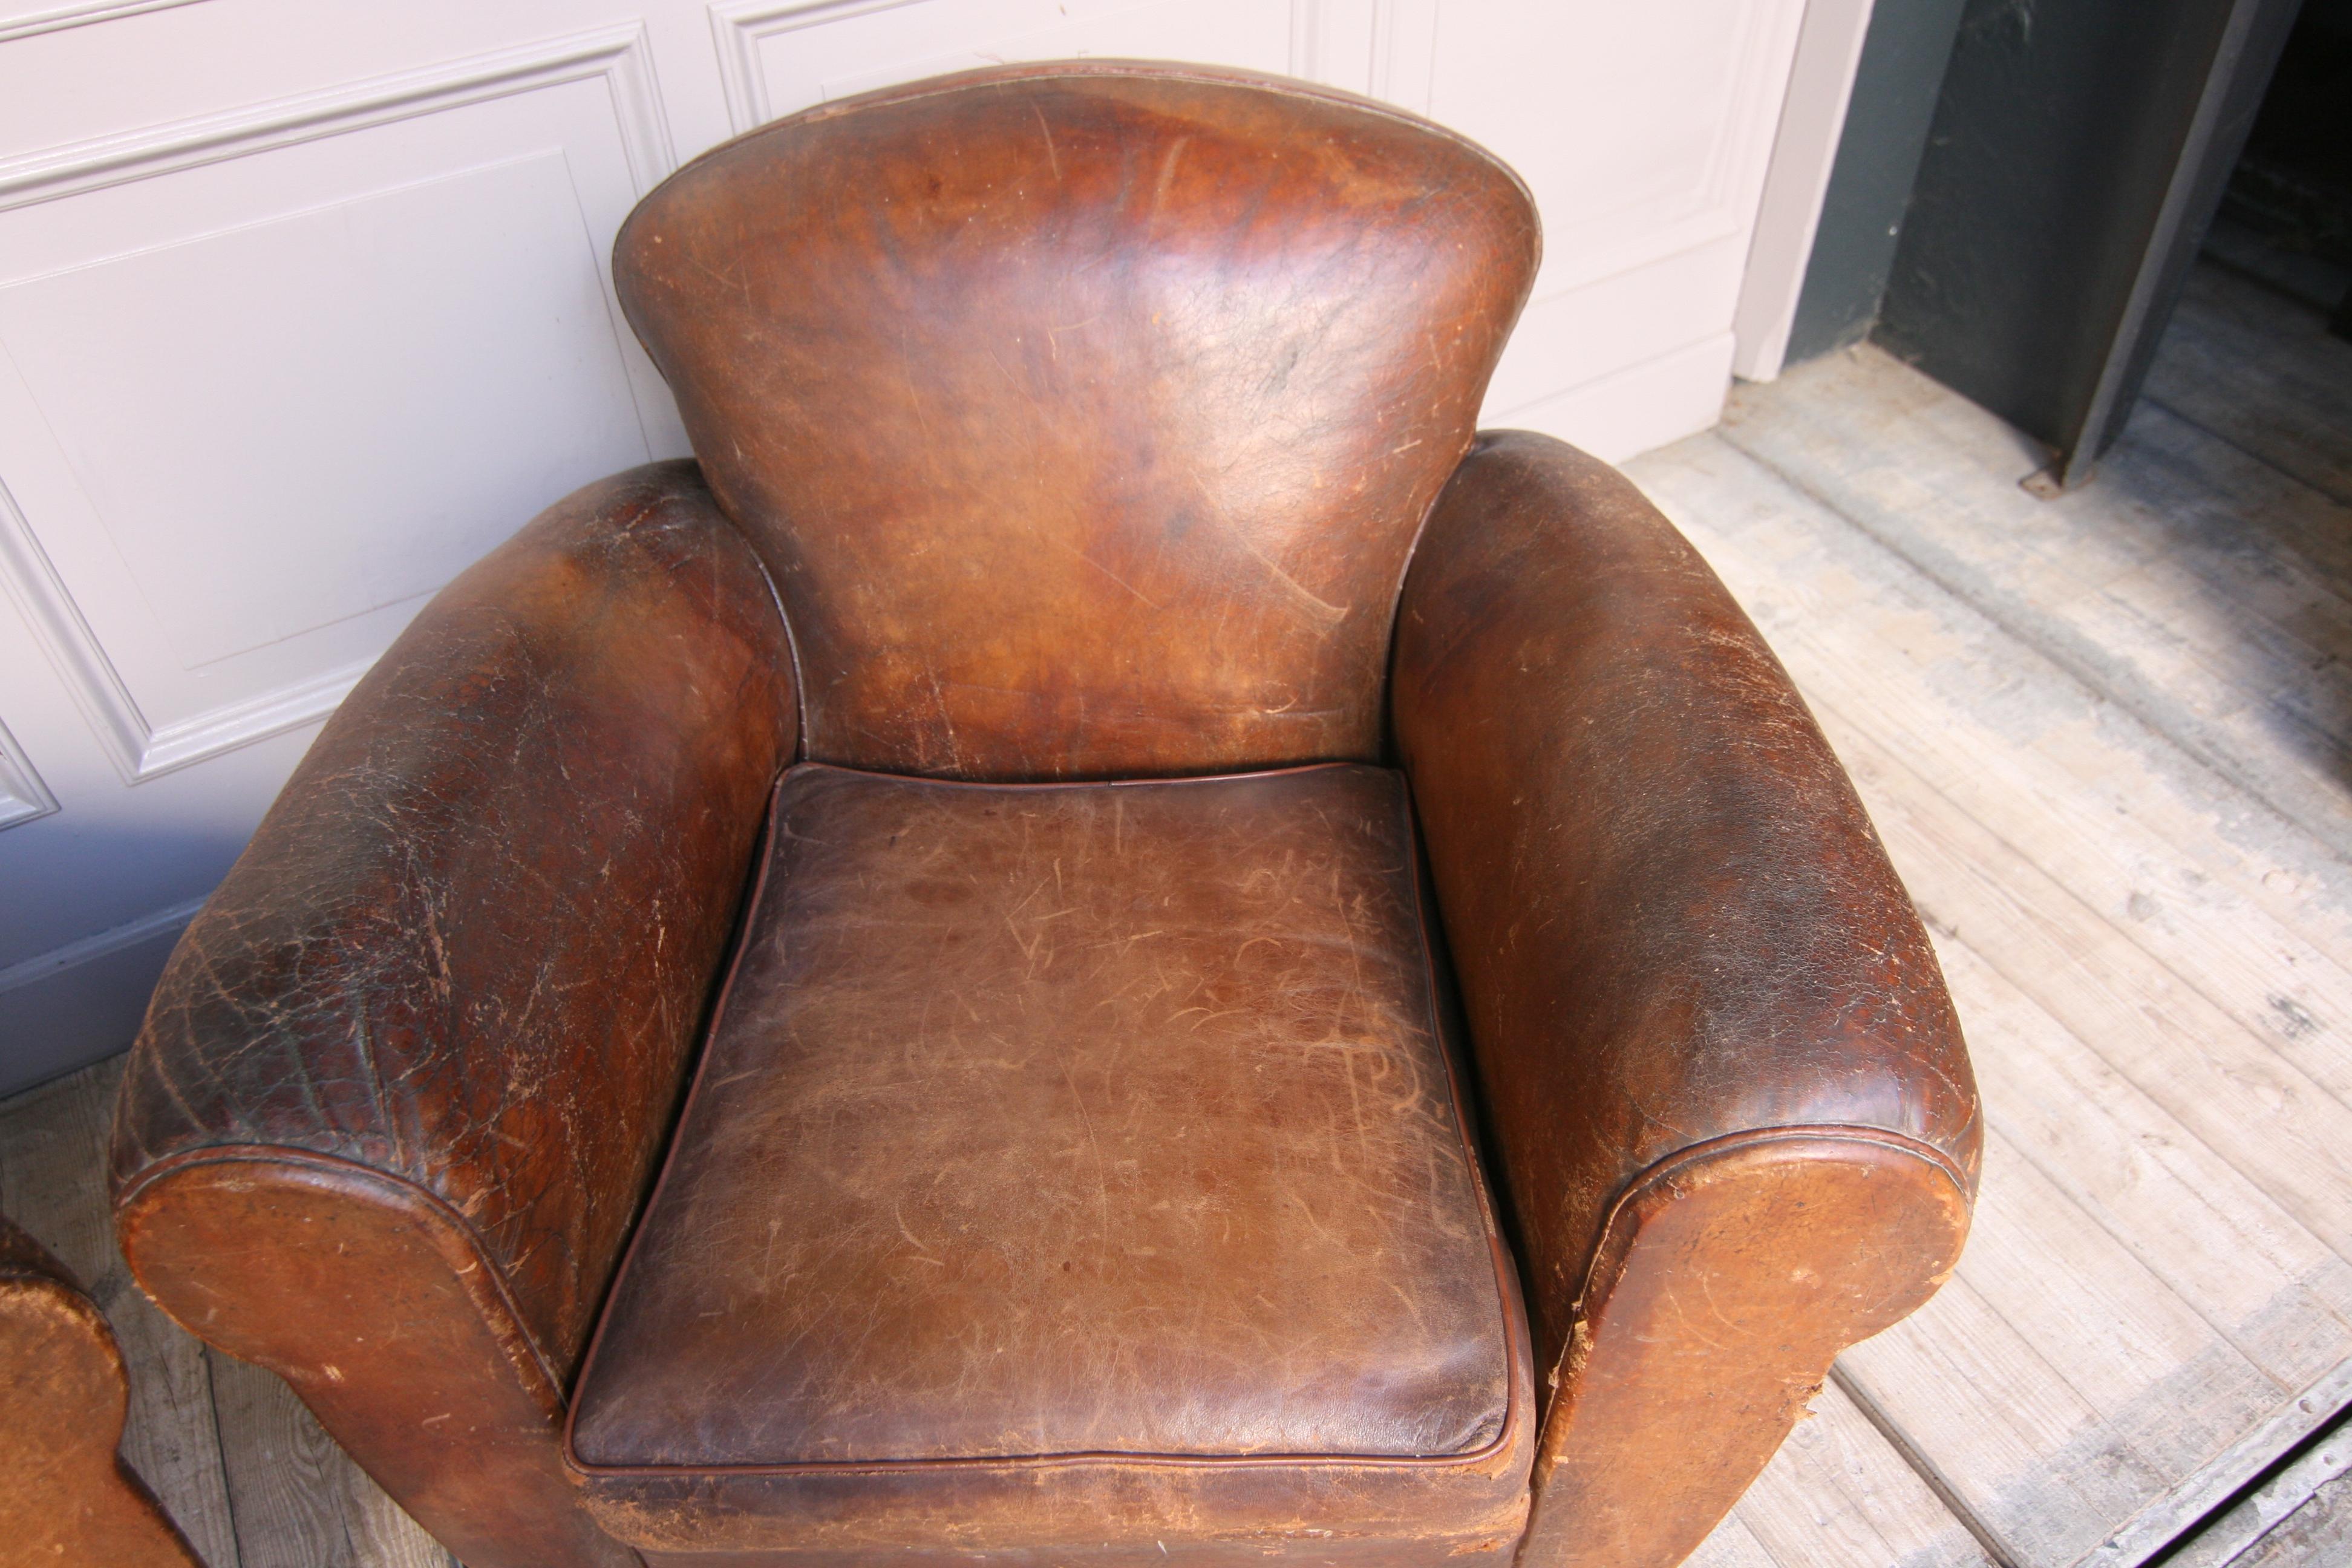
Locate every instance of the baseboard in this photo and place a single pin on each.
(1632, 410)
(82, 1002)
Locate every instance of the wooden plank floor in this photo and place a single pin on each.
(2108, 742)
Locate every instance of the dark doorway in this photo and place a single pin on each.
(2078, 152)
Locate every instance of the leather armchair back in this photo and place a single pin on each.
(1084, 415)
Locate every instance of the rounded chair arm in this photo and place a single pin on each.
(1734, 1115)
(404, 1081)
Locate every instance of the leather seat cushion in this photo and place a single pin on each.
(1052, 1138)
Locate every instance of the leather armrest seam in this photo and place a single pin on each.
(1160, 70)
(1731, 1142)
(492, 1286)
(1392, 751)
(792, 642)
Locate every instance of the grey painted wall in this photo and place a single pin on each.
(2078, 150)
(1904, 56)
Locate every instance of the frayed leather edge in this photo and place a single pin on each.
(484, 1282)
(1707, 1150)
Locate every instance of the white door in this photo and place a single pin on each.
(303, 306)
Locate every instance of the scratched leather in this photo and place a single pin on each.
(1671, 917)
(1728, 1282)
(1085, 416)
(1084, 413)
(1066, 1119)
(469, 945)
(65, 1495)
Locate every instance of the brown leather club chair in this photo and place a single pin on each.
(1105, 940)
(65, 1497)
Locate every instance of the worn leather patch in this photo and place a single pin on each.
(1050, 1121)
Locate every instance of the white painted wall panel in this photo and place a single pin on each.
(202, 394)
(1644, 132)
(782, 58)
(306, 303)
(23, 795)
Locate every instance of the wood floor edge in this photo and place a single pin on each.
(2176, 1515)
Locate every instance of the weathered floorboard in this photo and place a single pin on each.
(2085, 579)
(2258, 369)
(1838, 1495)
(299, 1501)
(2149, 950)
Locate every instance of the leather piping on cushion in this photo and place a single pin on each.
(1515, 1334)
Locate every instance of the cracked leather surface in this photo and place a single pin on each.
(1085, 415)
(467, 954)
(1084, 412)
(1107, 1120)
(1677, 940)
(471, 943)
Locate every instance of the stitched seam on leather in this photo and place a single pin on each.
(1018, 1463)
(1135, 69)
(1731, 1142)
(936, 781)
(745, 918)
(501, 1291)
(791, 646)
(1393, 743)
(775, 597)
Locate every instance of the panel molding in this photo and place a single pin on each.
(58, 623)
(130, 741)
(1404, 36)
(1714, 204)
(1637, 408)
(1369, 32)
(57, 18)
(69, 1006)
(46, 965)
(617, 57)
(140, 750)
(23, 796)
(738, 28)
